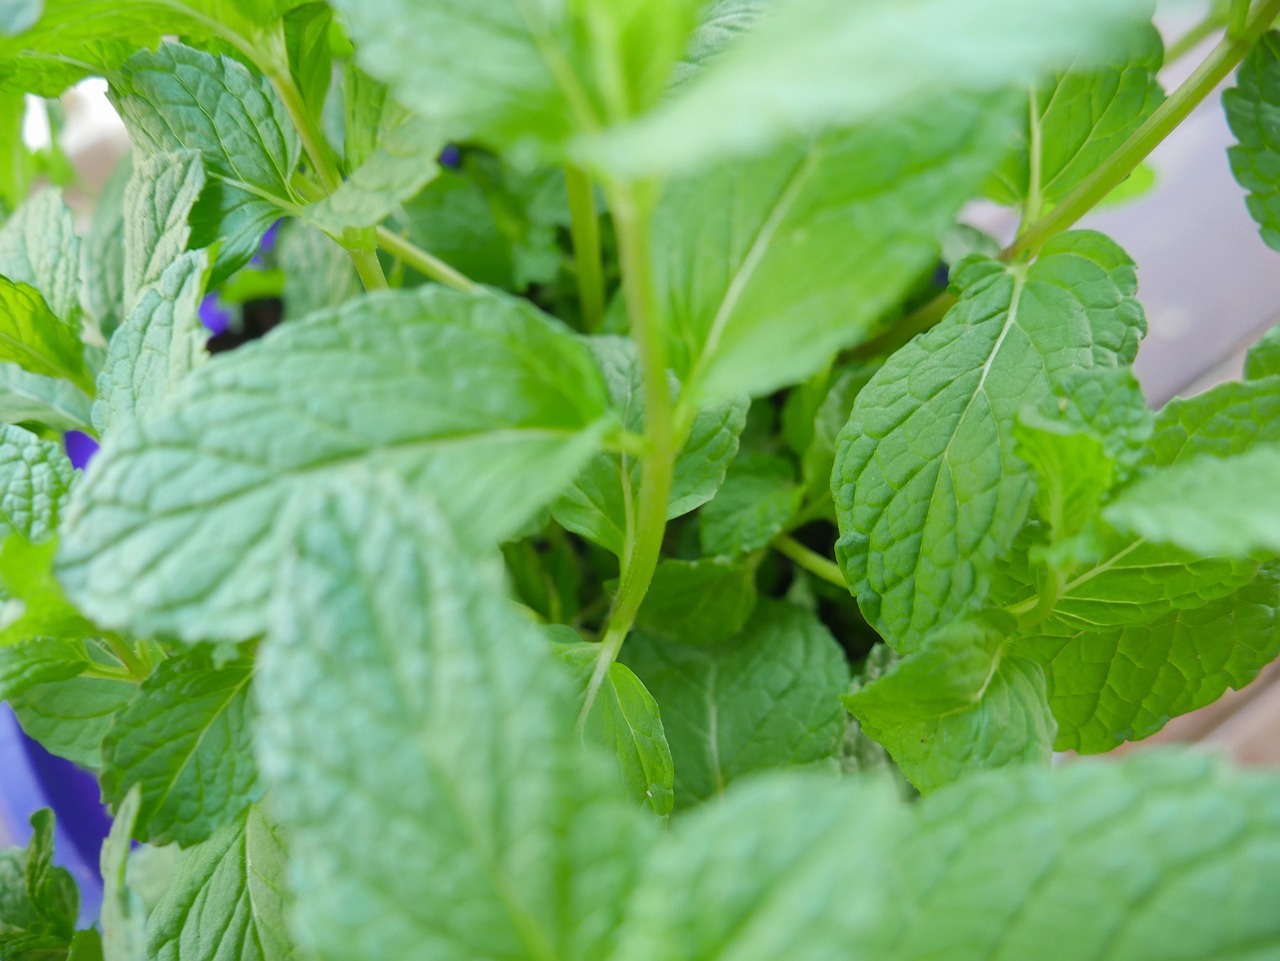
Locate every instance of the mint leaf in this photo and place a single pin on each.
(35, 482)
(34, 605)
(768, 698)
(185, 740)
(318, 274)
(1073, 472)
(32, 337)
(961, 703)
(375, 383)
(819, 64)
(1207, 505)
(595, 506)
(722, 24)
(159, 344)
(1109, 686)
(226, 898)
(404, 706)
(1224, 421)
(39, 247)
(158, 201)
(1250, 108)
(71, 717)
(819, 453)
(748, 305)
(929, 490)
(624, 719)
(124, 917)
(1079, 119)
(44, 661)
(182, 99)
(27, 398)
(307, 30)
(703, 602)
(1263, 359)
(760, 495)
(103, 252)
(403, 162)
(1108, 403)
(38, 901)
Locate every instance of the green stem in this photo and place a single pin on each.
(107, 673)
(585, 228)
(1220, 62)
(125, 655)
(811, 561)
(1184, 44)
(1238, 19)
(631, 214)
(423, 262)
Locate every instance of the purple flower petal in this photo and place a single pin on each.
(80, 448)
(214, 315)
(269, 239)
(451, 157)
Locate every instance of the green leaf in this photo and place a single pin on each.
(34, 605)
(1072, 469)
(318, 274)
(27, 398)
(124, 918)
(818, 64)
(86, 945)
(624, 720)
(44, 661)
(1207, 505)
(39, 247)
(1251, 107)
(960, 704)
(176, 99)
(929, 490)
(70, 718)
(768, 698)
(103, 252)
(759, 497)
(1106, 402)
(38, 901)
(703, 602)
(375, 383)
(405, 706)
(307, 28)
(158, 201)
(723, 23)
(19, 15)
(32, 337)
(1109, 686)
(819, 454)
(1263, 359)
(1225, 421)
(766, 267)
(596, 505)
(506, 73)
(35, 483)
(185, 740)
(782, 867)
(157, 347)
(1079, 119)
(226, 898)
(403, 162)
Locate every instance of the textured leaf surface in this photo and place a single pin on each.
(178, 99)
(23, 666)
(32, 337)
(1225, 421)
(1080, 118)
(625, 720)
(768, 698)
(34, 398)
(1072, 472)
(1263, 359)
(1251, 108)
(928, 488)
(102, 252)
(70, 718)
(405, 708)
(185, 739)
(766, 267)
(817, 64)
(703, 602)
(959, 704)
(38, 901)
(35, 482)
(760, 495)
(478, 400)
(158, 201)
(722, 24)
(225, 900)
(596, 505)
(39, 247)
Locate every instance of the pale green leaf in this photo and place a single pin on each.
(35, 482)
(624, 719)
(723, 23)
(157, 347)
(1072, 469)
(596, 505)
(816, 64)
(19, 15)
(703, 602)
(318, 273)
(959, 704)
(760, 495)
(1251, 112)
(39, 247)
(766, 267)
(226, 899)
(185, 740)
(124, 919)
(1207, 505)
(33, 604)
(103, 252)
(768, 698)
(405, 707)
(71, 717)
(1079, 119)
(27, 398)
(478, 400)
(162, 191)
(929, 490)
(33, 337)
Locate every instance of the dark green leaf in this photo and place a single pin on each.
(1251, 111)
(703, 602)
(760, 495)
(70, 718)
(38, 901)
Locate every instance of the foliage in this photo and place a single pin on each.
(624, 548)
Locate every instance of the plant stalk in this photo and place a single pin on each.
(423, 262)
(125, 655)
(585, 228)
(811, 561)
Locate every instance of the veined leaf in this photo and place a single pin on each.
(387, 381)
(44, 661)
(71, 717)
(39, 247)
(32, 337)
(158, 201)
(928, 488)
(703, 602)
(38, 901)
(405, 706)
(1224, 421)
(760, 495)
(1251, 106)
(35, 482)
(103, 252)
(723, 23)
(318, 274)
(27, 398)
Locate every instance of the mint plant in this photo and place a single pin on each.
(626, 548)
